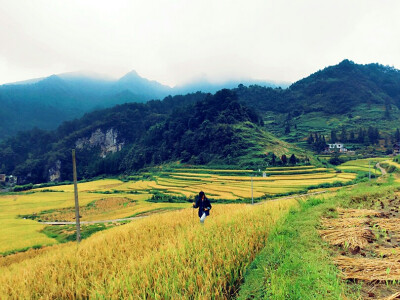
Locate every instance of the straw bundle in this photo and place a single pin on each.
(351, 237)
(389, 224)
(368, 269)
(354, 213)
(392, 297)
(343, 222)
(388, 252)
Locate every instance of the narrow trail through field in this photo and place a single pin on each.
(93, 222)
(140, 217)
(382, 169)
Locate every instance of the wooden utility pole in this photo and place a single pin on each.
(252, 199)
(78, 223)
(369, 170)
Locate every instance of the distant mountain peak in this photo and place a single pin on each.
(132, 75)
(51, 80)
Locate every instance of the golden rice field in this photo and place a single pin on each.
(219, 186)
(168, 256)
(18, 233)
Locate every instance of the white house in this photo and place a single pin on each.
(337, 147)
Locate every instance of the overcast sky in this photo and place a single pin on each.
(175, 41)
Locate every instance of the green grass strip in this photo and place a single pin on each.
(296, 263)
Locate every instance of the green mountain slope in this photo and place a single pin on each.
(347, 95)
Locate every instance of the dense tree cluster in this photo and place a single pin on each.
(370, 135)
(317, 142)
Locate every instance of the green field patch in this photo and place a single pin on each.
(290, 168)
(67, 233)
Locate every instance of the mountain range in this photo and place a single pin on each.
(247, 126)
(46, 102)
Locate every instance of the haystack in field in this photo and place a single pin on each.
(367, 269)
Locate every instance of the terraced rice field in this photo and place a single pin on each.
(112, 199)
(362, 165)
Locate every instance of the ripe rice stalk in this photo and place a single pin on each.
(368, 269)
(351, 237)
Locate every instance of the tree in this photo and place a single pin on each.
(284, 159)
(397, 136)
(352, 137)
(343, 135)
(361, 136)
(333, 136)
(310, 139)
(273, 159)
(287, 128)
(292, 159)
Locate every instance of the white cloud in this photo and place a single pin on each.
(173, 41)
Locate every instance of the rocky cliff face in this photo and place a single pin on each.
(55, 172)
(107, 141)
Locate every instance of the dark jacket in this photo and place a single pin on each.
(202, 204)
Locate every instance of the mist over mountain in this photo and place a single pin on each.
(207, 86)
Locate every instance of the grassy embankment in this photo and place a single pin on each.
(296, 263)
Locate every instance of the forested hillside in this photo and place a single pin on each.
(196, 128)
(346, 95)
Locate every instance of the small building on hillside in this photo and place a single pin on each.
(2, 177)
(396, 149)
(337, 147)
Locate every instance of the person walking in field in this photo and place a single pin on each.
(204, 206)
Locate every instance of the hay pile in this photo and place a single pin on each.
(355, 213)
(367, 269)
(343, 222)
(388, 252)
(352, 237)
(388, 224)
